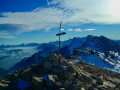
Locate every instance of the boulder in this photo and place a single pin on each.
(69, 75)
(54, 58)
(86, 77)
(37, 81)
(3, 86)
(50, 81)
(58, 84)
(82, 89)
(61, 89)
(65, 68)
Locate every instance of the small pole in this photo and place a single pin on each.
(59, 37)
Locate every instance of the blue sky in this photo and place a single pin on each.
(27, 21)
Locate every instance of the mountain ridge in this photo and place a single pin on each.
(68, 50)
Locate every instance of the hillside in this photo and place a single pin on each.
(76, 42)
(26, 62)
(57, 73)
(3, 72)
(108, 60)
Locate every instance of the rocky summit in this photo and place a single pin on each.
(57, 73)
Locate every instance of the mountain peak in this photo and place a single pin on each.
(101, 44)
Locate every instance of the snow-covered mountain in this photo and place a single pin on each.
(108, 60)
(101, 44)
(76, 42)
(106, 51)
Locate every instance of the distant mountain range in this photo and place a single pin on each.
(63, 43)
(20, 45)
(99, 44)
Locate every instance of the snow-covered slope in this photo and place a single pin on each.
(109, 60)
(76, 42)
(101, 44)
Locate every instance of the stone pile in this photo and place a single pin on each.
(56, 73)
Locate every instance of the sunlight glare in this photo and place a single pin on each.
(115, 7)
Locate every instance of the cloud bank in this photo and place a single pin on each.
(71, 12)
(81, 30)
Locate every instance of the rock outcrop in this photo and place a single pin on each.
(57, 73)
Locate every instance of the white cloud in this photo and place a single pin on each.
(89, 29)
(71, 12)
(35, 20)
(6, 35)
(47, 29)
(95, 11)
(62, 29)
(78, 30)
(70, 29)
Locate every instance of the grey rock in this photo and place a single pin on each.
(37, 81)
(58, 84)
(50, 81)
(61, 89)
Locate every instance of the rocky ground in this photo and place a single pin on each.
(57, 73)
